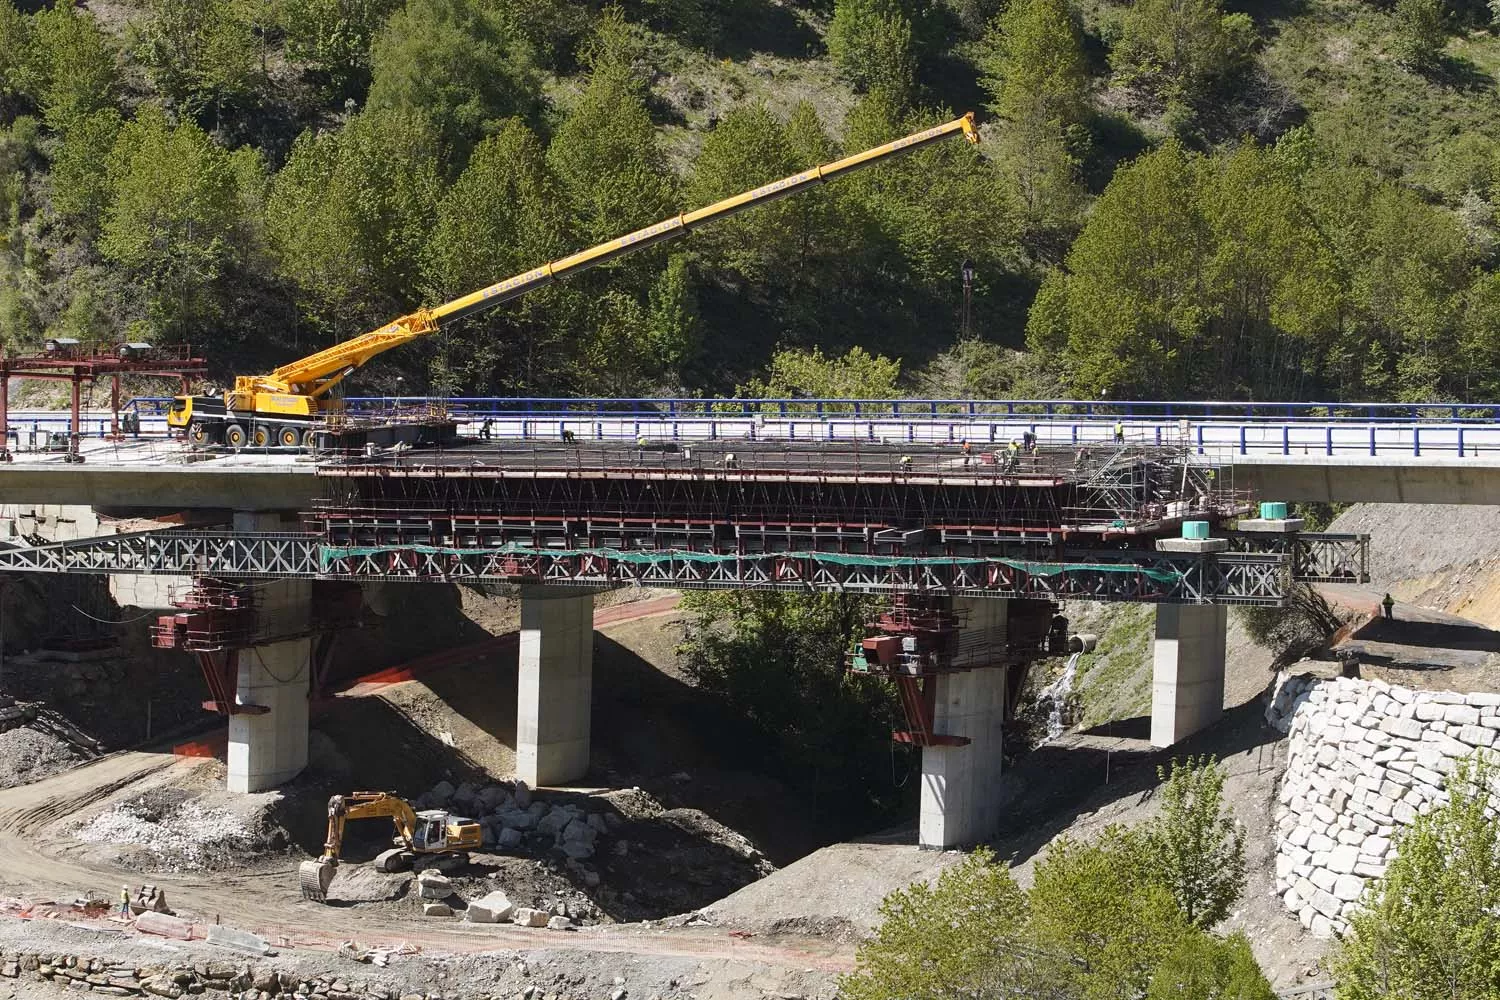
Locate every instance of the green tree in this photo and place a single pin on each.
(871, 42)
(464, 64)
(1194, 847)
(1133, 299)
(80, 175)
(1420, 33)
(748, 148)
(503, 215)
(350, 215)
(1430, 928)
(672, 317)
(201, 53)
(1096, 903)
(607, 156)
(1033, 64)
(1182, 49)
(1202, 967)
(74, 64)
(333, 37)
(176, 215)
(15, 59)
(808, 373)
(774, 665)
(961, 936)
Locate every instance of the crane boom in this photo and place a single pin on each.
(315, 375)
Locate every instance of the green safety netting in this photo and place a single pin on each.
(331, 553)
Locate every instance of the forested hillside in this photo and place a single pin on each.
(1175, 198)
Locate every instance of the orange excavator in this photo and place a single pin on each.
(429, 832)
(281, 409)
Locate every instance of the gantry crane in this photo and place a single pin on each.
(282, 408)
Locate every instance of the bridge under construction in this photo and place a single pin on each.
(975, 548)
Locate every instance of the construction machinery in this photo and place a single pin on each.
(429, 832)
(283, 407)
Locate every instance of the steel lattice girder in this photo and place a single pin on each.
(1317, 557)
(1262, 578)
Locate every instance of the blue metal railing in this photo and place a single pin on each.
(914, 409)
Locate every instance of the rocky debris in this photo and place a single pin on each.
(493, 908)
(1365, 759)
(559, 923)
(528, 917)
(176, 836)
(433, 884)
(516, 821)
(436, 910)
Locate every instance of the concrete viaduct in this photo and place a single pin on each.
(262, 502)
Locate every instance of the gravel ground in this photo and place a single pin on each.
(28, 755)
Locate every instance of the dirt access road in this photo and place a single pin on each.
(40, 858)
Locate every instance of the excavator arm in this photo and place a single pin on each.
(313, 377)
(316, 876)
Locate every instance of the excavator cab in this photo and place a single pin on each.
(432, 831)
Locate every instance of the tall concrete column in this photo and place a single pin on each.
(961, 785)
(270, 748)
(556, 685)
(1187, 688)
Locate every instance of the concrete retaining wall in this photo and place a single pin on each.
(1365, 759)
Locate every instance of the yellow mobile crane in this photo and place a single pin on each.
(281, 408)
(430, 832)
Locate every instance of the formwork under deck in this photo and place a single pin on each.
(768, 499)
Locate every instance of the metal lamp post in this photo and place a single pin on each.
(968, 273)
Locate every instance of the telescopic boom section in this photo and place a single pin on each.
(317, 374)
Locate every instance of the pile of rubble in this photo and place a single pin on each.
(439, 895)
(514, 820)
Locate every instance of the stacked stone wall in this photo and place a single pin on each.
(1365, 759)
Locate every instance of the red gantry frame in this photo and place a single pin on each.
(66, 360)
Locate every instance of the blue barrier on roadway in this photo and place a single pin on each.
(916, 409)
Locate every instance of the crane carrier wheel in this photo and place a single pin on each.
(234, 436)
(260, 436)
(287, 437)
(200, 435)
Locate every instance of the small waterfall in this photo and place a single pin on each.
(1057, 693)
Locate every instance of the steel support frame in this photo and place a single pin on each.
(1256, 578)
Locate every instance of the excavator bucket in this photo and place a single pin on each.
(315, 877)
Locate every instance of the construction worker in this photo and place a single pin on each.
(968, 450)
(125, 901)
(1028, 442)
(1012, 453)
(486, 429)
(1119, 432)
(1386, 606)
(905, 463)
(569, 437)
(730, 461)
(640, 448)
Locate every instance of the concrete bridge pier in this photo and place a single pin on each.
(268, 748)
(961, 794)
(1187, 688)
(556, 684)
(961, 784)
(268, 726)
